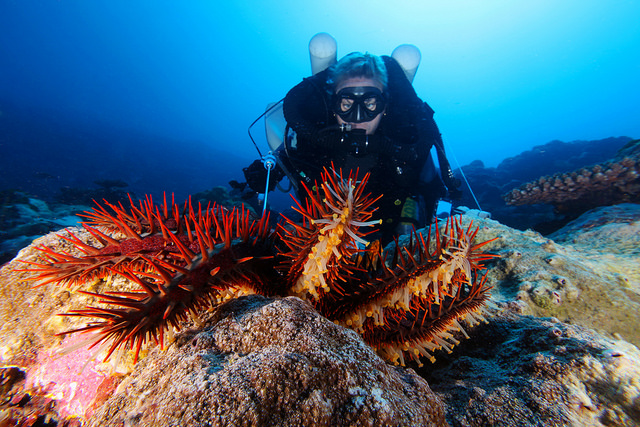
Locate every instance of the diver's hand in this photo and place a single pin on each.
(256, 176)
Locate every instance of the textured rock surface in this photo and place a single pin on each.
(74, 383)
(592, 280)
(29, 317)
(521, 371)
(259, 361)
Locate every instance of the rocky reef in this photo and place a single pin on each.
(561, 352)
(525, 371)
(557, 159)
(612, 182)
(586, 273)
(24, 218)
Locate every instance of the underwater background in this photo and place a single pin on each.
(153, 96)
(538, 106)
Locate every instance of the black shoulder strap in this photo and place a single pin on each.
(407, 107)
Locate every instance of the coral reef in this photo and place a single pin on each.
(612, 182)
(489, 184)
(515, 371)
(183, 264)
(558, 157)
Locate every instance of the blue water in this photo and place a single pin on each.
(159, 94)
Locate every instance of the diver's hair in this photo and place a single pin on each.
(358, 64)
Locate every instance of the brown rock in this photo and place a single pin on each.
(521, 371)
(276, 362)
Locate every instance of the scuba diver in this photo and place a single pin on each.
(362, 112)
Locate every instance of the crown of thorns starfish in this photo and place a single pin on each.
(406, 303)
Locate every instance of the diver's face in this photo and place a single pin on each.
(360, 82)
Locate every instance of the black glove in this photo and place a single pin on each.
(256, 176)
(452, 185)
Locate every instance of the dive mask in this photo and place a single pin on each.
(359, 104)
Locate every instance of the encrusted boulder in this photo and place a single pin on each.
(521, 371)
(259, 361)
(588, 275)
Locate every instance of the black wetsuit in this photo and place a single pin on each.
(397, 155)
